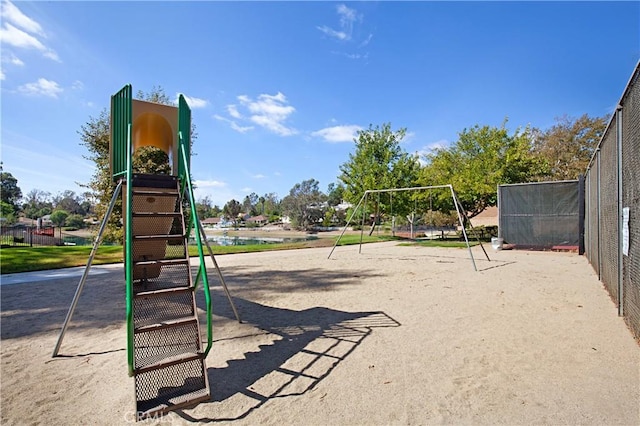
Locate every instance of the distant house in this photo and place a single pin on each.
(211, 221)
(215, 222)
(258, 220)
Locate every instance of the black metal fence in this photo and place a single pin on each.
(30, 236)
(612, 206)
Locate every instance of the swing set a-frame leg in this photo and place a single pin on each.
(85, 274)
(222, 281)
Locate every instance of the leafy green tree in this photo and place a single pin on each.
(304, 204)
(10, 192)
(481, 159)
(59, 217)
(250, 204)
(271, 206)
(7, 213)
(69, 201)
(379, 162)
(204, 208)
(150, 159)
(94, 136)
(231, 210)
(335, 194)
(37, 204)
(567, 147)
(75, 221)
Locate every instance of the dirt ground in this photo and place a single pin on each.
(392, 335)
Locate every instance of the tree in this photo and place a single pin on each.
(304, 204)
(335, 194)
(271, 206)
(481, 159)
(69, 201)
(95, 135)
(568, 145)
(250, 204)
(204, 208)
(10, 192)
(379, 162)
(37, 204)
(59, 217)
(150, 159)
(7, 213)
(75, 221)
(231, 211)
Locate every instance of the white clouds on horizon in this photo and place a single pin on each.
(337, 134)
(20, 31)
(209, 184)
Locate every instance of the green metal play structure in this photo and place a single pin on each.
(165, 353)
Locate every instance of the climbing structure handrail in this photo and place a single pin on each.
(202, 272)
(128, 261)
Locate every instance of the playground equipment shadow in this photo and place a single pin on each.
(305, 346)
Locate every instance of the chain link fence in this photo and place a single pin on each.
(612, 206)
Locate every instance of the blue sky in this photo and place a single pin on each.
(278, 89)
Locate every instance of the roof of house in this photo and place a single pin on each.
(211, 220)
(259, 218)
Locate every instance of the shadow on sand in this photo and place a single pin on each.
(308, 345)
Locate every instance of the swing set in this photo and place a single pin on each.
(462, 217)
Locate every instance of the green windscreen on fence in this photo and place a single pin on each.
(540, 215)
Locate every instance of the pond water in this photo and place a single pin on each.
(225, 240)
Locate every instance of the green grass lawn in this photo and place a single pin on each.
(24, 259)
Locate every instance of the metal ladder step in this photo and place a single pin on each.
(162, 262)
(157, 237)
(156, 214)
(164, 324)
(169, 366)
(182, 385)
(154, 193)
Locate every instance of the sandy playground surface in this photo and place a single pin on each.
(394, 335)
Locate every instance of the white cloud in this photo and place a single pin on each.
(340, 35)
(270, 112)
(338, 133)
(235, 126)
(14, 60)
(258, 176)
(193, 102)
(347, 18)
(12, 14)
(2, 76)
(77, 85)
(209, 184)
(19, 30)
(241, 129)
(233, 111)
(409, 136)
(429, 149)
(366, 41)
(18, 38)
(41, 87)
